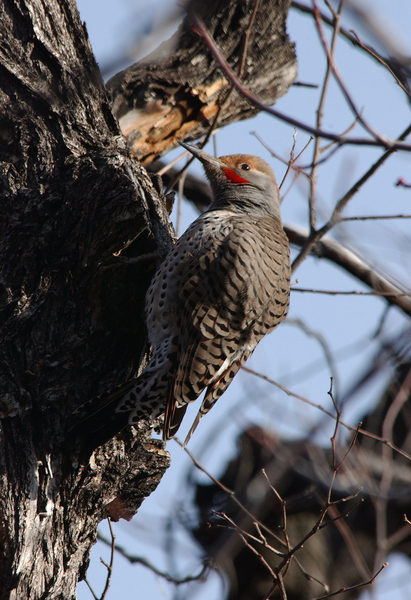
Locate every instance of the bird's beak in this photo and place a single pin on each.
(203, 156)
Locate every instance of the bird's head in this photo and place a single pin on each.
(242, 183)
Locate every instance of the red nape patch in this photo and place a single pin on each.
(232, 176)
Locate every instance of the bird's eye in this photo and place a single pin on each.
(245, 167)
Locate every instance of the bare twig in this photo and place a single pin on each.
(323, 344)
(383, 62)
(86, 581)
(246, 534)
(402, 183)
(354, 39)
(180, 201)
(381, 500)
(278, 157)
(109, 567)
(317, 148)
(342, 203)
(338, 78)
(350, 542)
(350, 447)
(344, 293)
(386, 143)
(310, 577)
(132, 558)
(224, 97)
(376, 217)
(230, 493)
(334, 251)
(353, 587)
(361, 431)
(283, 504)
(396, 538)
(291, 160)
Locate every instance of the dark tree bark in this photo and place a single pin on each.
(73, 205)
(82, 229)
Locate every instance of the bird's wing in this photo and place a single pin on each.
(232, 294)
(240, 280)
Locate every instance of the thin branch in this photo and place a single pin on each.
(234, 527)
(317, 148)
(180, 201)
(281, 586)
(283, 504)
(375, 217)
(244, 535)
(251, 547)
(347, 512)
(109, 567)
(345, 293)
(310, 577)
(383, 62)
(277, 156)
(402, 183)
(351, 543)
(334, 251)
(330, 414)
(352, 37)
(132, 558)
(350, 447)
(329, 359)
(290, 161)
(342, 203)
(396, 538)
(201, 29)
(164, 169)
(86, 581)
(225, 96)
(353, 587)
(381, 500)
(338, 77)
(222, 101)
(230, 493)
(290, 187)
(332, 11)
(300, 169)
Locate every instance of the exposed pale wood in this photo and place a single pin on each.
(175, 95)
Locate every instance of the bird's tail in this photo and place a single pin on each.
(143, 397)
(99, 420)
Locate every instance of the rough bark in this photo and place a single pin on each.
(74, 206)
(82, 229)
(169, 95)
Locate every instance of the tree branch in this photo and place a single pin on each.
(332, 250)
(175, 92)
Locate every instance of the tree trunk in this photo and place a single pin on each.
(74, 206)
(82, 229)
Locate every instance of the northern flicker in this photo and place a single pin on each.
(222, 288)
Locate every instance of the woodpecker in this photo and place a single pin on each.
(221, 289)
